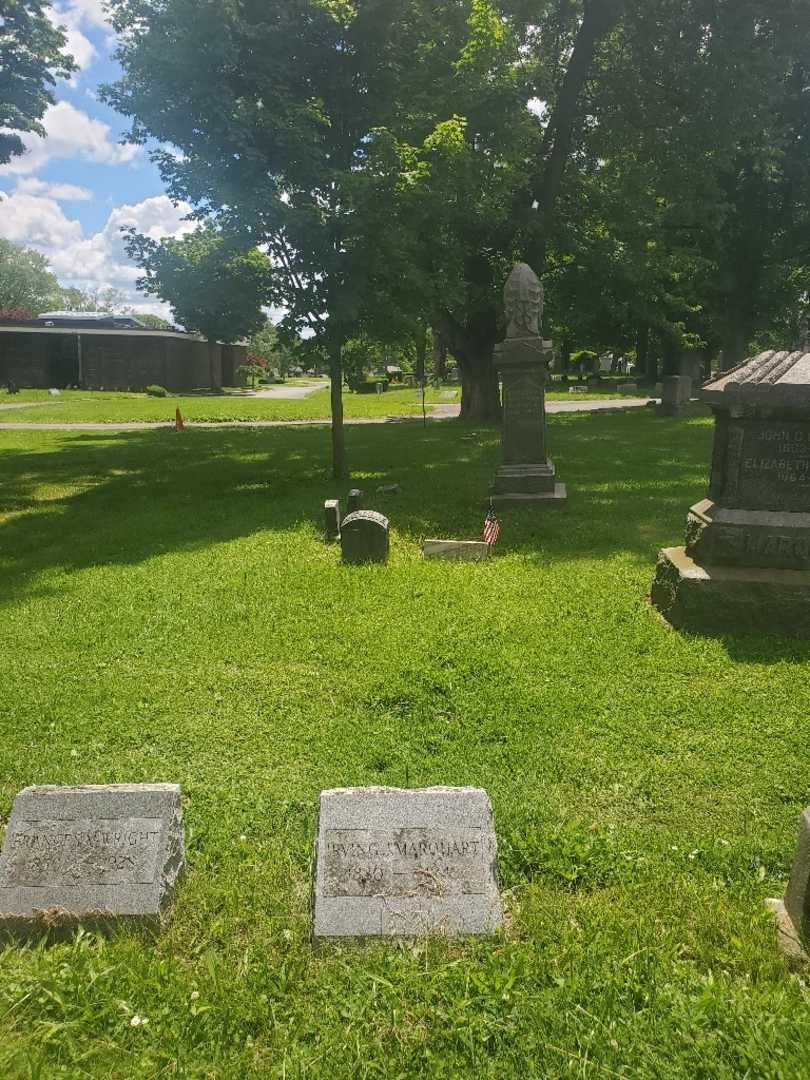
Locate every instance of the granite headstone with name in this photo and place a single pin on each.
(354, 501)
(393, 862)
(527, 476)
(364, 537)
(745, 567)
(108, 851)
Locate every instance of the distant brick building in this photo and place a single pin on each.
(111, 353)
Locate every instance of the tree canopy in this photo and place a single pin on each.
(213, 283)
(32, 57)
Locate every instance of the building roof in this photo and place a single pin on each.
(771, 380)
(34, 327)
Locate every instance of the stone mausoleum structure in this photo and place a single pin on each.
(745, 567)
(107, 352)
(527, 476)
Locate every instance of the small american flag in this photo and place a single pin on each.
(492, 528)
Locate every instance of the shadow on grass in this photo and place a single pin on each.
(73, 500)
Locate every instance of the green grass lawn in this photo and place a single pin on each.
(98, 406)
(170, 613)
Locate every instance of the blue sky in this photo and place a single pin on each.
(71, 192)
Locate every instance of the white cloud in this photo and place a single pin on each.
(90, 12)
(80, 47)
(61, 192)
(70, 133)
(97, 261)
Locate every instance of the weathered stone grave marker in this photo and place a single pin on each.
(746, 564)
(456, 550)
(354, 501)
(331, 516)
(526, 476)
(793, 912)
(676, 393)
(90, 852)
(364, 537)
(393, 862)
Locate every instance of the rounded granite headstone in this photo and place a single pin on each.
(364, 537)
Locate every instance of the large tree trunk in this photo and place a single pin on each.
(339, 467)
(646, 360)
(734, 342)
(480, 397)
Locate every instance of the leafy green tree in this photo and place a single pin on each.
(109, 300)
(153, 321)
(214, 284)
(31, 59)
(291, 100)
(25, 281)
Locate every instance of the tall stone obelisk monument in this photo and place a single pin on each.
(527, 476)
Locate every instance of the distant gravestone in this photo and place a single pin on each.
(364, 537)
(355, 501)
(577, 389)
(105, 851)
(389, 489)
(399, 863)
(676, 393)
(331, 519)
(456, 550)
(793, 912)
(627, 388)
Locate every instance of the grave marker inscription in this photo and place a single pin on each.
(110, 850)
(393, 862)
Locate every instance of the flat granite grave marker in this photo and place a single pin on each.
(456, 550)
(90, 852)
(401, 863)
(364, 537)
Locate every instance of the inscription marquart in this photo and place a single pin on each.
(765, 544)
(407, 862)
(113, 851)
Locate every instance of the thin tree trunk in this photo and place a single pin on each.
(600, 16)
(339, 466)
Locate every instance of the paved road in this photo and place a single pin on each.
(440, 412)
(288, 393)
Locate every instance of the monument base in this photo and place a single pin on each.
(738, 600)
(719, 536)
(788, 936)
(556, 498)
(519, 485)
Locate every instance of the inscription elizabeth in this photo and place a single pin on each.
(407, 862)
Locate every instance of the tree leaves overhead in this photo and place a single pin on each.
(31, 59)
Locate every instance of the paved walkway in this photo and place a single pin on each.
(439, 412)
(26, 405)
(288, 393)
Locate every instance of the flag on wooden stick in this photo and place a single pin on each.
(492, 528)
(178, 420)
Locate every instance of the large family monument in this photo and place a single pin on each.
(527, 475)
(745, 567)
